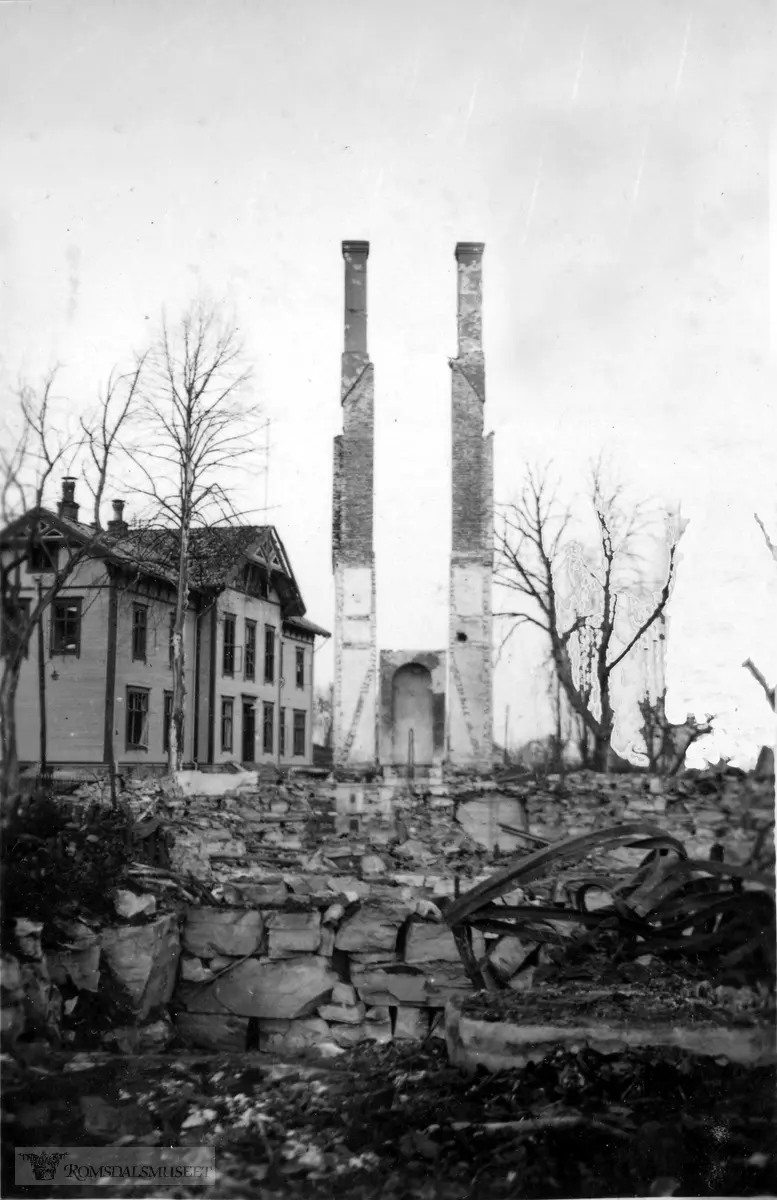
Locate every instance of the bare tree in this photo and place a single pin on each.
(532, 544)
(197, 423)
(748, 664)
(759, 677)
(41, 449)
(667, 744)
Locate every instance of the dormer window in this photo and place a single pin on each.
(44, 557)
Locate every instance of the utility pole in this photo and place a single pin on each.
(266, 467)
(44, 769)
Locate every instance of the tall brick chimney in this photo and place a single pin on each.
(470, 736)
(117, 524)
(469, 316)
(353, 559)
(67, 506)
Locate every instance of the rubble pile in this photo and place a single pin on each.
(308, 911)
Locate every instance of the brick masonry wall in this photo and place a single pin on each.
(355, 683)
(470, 718)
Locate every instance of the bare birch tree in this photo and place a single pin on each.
(533, 542)
(35, 452)
(196, 423)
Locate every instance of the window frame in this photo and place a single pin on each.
(249, 659)
(167, 720)
(134, 690)
(269, 658)
(76, 602)
(43, 558)
(137, 627)
(230, 622)
(268, 709)
(299, 727)
(299, 667)
(227, 716)
(282, 732)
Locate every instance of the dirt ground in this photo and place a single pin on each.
(398, 1122)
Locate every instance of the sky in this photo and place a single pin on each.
(612, 155)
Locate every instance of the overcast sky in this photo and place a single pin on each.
(612, 155)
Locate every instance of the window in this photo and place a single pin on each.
(66, 627)
(227, 723)
(14, 617)
(269, 654)
(137, 718)
(282, 730)
(228, 665)
(44, 556)
(299, 733)
(139, 632)
(250, 662)
(267, 731)
(170, 644)
(167, 719)
(300, 667)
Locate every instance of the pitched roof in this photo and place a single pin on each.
(217, 553)
(306, 625)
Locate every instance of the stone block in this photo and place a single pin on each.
(327, 944)
(193, 970)
(399, 983)
(371, 928)
(344, 1013)
(292, 933)
(347, 1035)
(219, 961)
(81, 967)
(130, 904)
(299, 1034)
(428, 942)
(219, 1032)
(377, 1025)
(411, 1024)
(344, 993)
(231, 931)
(200, 998)
(507, 955)
(142, 962)
(28, 936)
(259, 895)
(283, 988)
(188, 855)
(142, 1039)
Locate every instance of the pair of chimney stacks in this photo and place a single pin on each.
(469, 315)
(68, 508)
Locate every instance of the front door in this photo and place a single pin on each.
(249, 732)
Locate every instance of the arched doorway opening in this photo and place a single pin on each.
(413, 717)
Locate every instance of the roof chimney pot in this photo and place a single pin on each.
(67, 506)
(117, 524)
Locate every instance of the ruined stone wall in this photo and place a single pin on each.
(355, 684)
(470, 734)
(307, 911)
